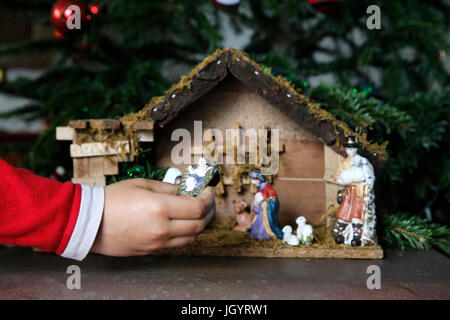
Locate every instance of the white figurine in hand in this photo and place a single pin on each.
(197, 174)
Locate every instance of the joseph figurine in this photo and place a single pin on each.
(356, 216)
(266, 207)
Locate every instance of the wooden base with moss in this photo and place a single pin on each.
(221, 240)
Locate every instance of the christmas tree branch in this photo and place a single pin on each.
(140, 168)
(404, 230)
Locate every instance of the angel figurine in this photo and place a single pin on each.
(356, 219)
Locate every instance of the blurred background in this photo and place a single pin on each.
(391, 83)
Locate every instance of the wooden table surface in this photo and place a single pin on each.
(404, 275)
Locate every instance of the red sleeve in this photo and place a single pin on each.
(35, 211)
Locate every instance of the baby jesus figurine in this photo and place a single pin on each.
(265, 206)
(198, 177)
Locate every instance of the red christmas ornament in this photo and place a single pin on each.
(324, 6)
(64, 17)
(226, 3)
(94, 8)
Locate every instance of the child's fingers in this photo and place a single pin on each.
(191, 227)
(208, 195)
(156, 186)
(186, 208)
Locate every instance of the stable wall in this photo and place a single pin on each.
(300, 182)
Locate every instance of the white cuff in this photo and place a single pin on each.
(88, 223)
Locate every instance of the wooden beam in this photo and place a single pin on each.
(302, 251)
(98, 149)
(80, 167)
(144, 125)
(145, 135)
(111, 165)
(78, 124)
(96, 167)
(95, 182)
(109, 124)
(131, 152)
(332, 161)
(65, 133)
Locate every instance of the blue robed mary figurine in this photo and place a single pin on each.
(266, 206)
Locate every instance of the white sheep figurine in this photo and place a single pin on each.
(304, 231)
(288, 237)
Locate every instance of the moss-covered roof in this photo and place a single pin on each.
(276, 89)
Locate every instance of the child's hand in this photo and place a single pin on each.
(141, 216)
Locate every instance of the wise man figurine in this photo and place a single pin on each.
(266, 206)
(356, 219)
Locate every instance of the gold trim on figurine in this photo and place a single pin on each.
(266, 219)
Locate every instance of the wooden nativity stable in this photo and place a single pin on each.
(229, 90)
